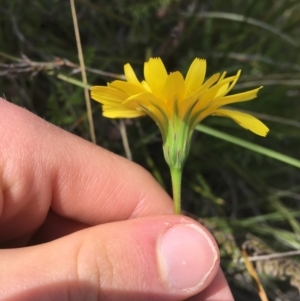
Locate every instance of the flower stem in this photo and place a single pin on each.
(176, 184)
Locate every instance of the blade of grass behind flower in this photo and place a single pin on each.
(201, 187)
(251, 21)
(286, 237)
(73, 81)
(286, 213)
(274, 216)
(249, 145)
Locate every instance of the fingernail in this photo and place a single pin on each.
(186, 256)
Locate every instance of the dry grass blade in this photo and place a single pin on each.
(82, 68)
(271, 256)
(254, 276)
(122, 128)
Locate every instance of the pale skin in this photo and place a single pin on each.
(78, 222)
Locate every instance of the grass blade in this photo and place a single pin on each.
(249, 145)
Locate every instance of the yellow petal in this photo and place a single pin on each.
(107, 95)
(207, 96)
(240, 97)
(158, 115)
(195, 76)
(226, 88)
(126, 87)
(155, 74)
(145, 99)
(247, 121)
(151, 105)
(222, 90)
(146, 86)
(210, 94)
(210, 82)
(174, 88)
(222, 76)
(130, 75)
(206, 86)
(120, 112)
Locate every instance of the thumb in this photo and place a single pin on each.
(153, 258)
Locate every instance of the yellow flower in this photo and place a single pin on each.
(175, 103)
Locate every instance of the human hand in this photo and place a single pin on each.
(95, 225)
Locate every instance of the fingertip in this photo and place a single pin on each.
(188, 257)
(218, 290)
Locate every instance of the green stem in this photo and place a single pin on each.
(176, 184)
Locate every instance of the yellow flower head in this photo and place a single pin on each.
(175, 103)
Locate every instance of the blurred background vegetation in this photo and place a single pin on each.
(248, 200)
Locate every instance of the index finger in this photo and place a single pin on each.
(43, 166)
